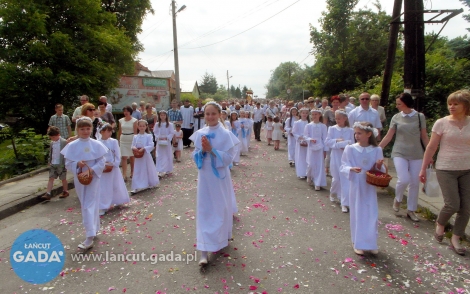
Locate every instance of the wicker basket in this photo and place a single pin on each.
(86, 177)
(138, 154)
(108, 168)
(378, 179)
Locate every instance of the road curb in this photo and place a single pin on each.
(24, 176)
(30, 200)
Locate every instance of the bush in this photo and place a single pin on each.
(27, 152)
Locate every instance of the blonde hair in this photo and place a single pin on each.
(84, 122)
(85, 107)
(461, 97)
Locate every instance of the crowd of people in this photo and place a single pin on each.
(323, 136)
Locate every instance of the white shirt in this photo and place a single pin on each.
(55, 152)
(247, 107)
(257, 114)
(272, 112)
(109, 108)
(352, 106)
(413, 112)
(188, 118)
(360, 114)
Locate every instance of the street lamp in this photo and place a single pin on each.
(228, 85)
(175, 48)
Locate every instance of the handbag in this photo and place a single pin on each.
(431, 187)
(86, 177)
(303, 143)
(419, 126)
(163, 142)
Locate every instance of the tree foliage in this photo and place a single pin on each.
(208, 84)
(290, 75)
(51, 51)
(350, 48)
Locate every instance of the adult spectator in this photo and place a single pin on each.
(142, 107)
(452, 133)
(225, 107)
(351, 102)
(329, 114)
(272, 110)
(374, 103)
(232, 105)
(105, 115)
(324, 105)
(127, 130)
(89, 110)
(344, 102)
(78, 111)
(311, 103)
(136, 112)
(286, 109)
(109, 107)
(257, 121)
(174, 114)
(318, 102)
(150, 117)
(187, 112)
(199, 122)
(409, 126)
(61, 121)
(365, 113)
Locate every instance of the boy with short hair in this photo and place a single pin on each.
(56, 163)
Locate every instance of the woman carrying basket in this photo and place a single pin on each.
(409, 126)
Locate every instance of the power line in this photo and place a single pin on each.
(246, 29)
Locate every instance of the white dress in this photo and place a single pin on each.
(236, 132)
(300, 151)
(243, 134)
(363, 205)
(339, 182)
(145, 175)
(315, 158)
(277, 132)
(164, 160)
(113, 190)
(249, 124)
(179, 141)
(215, 193)
(290, 139)
(127, 133)
(92, 153)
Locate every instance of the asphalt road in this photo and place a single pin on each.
(288, 238)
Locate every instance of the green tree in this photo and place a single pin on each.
(244, 90)
(238, 93)
(129, 16)
(52, 51)
(466, 16)
(208, 84)
(233, 91)
(288, 75)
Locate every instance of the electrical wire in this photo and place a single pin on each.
(244, 30)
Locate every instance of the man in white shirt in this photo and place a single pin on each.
(78, 111)
(365, 113)
(257, 121)
(187, 112)
(109, 107)
(351, 102)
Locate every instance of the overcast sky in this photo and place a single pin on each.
(279, 33)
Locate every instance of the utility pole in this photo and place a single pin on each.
(175, 52)
(228, 85)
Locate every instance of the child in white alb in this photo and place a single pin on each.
(293, 117)
(178, 142)
(339, 136)
(235, 128)
(301, 143)
(268, 126)
(164, 132)
(315, 133)
(113, 189)
(145, 174)
(80, 156)
(364, 212)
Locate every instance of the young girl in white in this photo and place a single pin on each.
(164, 132)
(214, 151)
(145, 174)
(268, 126)
(79, 155)
(356, 161)
(301, 144)
(113, 190)
(235, 128)
(225, 120)
(243, 134)
(277, 132)
(293, 117)
(339, 136)
(177, 142)
(249, 124)
(315, 133)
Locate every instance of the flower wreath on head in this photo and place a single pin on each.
(341, 111)
(316, 110)
(366, 128)
(214, 104)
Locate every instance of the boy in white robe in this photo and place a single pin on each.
(315, 134)
(301, 144)
(364, 213)
(80, 155)
(213, 154)
(113, 190)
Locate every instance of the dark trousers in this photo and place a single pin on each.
(186, 134)
(257, 130)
